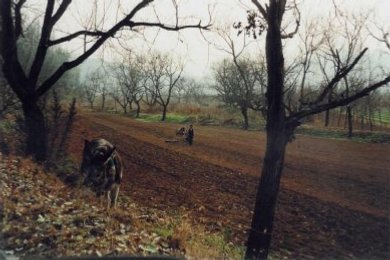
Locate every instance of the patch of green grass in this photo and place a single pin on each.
(368, 137)
(170, 118)
(218, 243)
(384, 116)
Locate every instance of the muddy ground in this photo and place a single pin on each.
(335, 194)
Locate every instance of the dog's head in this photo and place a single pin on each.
(94, 163)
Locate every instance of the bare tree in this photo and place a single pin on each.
(194, 92)
(25, 83)
(131, 79)
(351, 34)
(121, 95)
(163, 74)
(239, 84)
(103, 91)
(181, 88)
(242, 77)
(281, 123)
(92, 87)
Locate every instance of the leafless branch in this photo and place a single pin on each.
(169, 27)
(297, 22)
(18, 18)
(383, 37)
(125, 22)
(341, 73)
(261, 9)
(338, 102)
(75, 35)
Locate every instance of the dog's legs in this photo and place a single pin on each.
(108, 199)
(115, 196)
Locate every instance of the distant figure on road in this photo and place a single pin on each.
(190, 135)
(181, 131)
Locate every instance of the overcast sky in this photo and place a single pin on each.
(190, 44)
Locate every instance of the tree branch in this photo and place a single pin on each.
(169, 27)
(341, 73)
(8, 50)
(337, 103)
(297, 23)
(384, 35)
(18, 18)
(60, 11)
(69, 65)
(260, 8)
(41, 52)
(291, 34)
(75, 35)
(125, 22)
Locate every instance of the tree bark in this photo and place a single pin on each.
(244, 112)
(164, 113)
(138, 109)
(259, 238)
(350, 121)
(103, 101)
(36, 142)
(327, 117)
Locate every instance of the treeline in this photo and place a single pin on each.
(136, 81)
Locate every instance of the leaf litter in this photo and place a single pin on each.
(41, 216)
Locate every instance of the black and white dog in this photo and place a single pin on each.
(102, 168)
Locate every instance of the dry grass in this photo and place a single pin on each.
(196, 242)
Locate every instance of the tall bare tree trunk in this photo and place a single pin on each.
(350, 121)
(259, 238)
(244, 112)
(103, 101)
(327, 117)
(36, 143)
(327, 112)
(138, 108)
(164, 113)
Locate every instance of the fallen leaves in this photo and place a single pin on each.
(42, 216)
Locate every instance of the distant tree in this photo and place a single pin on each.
(92, 86)
(194, 92)
(103, 91)
(243, 87)
(281, 122)
(240, 84)
(181, 88)
(163, 75)
(28, 85)
(122, 96)
(131, 79)
(350, 31)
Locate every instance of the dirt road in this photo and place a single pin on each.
(334, 201)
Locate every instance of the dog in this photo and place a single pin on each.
(103, 169)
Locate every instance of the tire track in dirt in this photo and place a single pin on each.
(221, 199)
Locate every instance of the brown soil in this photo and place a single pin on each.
(335, 195)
